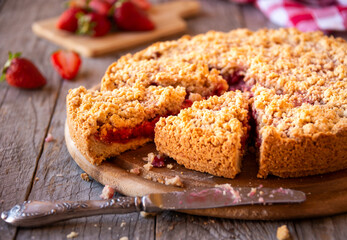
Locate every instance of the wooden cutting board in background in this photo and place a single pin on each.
(168, 18)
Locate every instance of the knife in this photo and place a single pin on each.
(38, 213)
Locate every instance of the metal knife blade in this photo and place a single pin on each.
(37, 213)
(221, 196)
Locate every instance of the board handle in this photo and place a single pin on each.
(181, 8)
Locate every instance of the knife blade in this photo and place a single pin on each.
(38, 213)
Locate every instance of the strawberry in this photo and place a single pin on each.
(93, 24)
(67, 63)
(129, 17)
(22, 73)
(142, 4)
(68, 19)
(100, 7)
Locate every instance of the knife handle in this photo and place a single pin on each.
(38, 213)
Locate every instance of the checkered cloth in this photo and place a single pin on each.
(306, 15)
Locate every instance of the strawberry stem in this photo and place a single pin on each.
(11, 56)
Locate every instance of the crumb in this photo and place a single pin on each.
(148, 166)
(72, 235)
(124, 238)
(176, 181)
(36, 179)
(171, 227)
(123, 224)
(49, 138)
(109, 228)
(85, 177)
(150, 157)
(95, 225)
(107, 192)
(169, 166)
(136, 171)
(283, 233)
(252, 192)
(59, 175)
(147, 214)
(156, 160)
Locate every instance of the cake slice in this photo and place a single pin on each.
(105, 124)
(208, 137)
(298, 138)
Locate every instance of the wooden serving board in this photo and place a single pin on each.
(326, 194)
(168, 18)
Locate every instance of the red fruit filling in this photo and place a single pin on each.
(143, 130)
(158, 162)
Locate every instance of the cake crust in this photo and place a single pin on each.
(296, 82)
(208, 136)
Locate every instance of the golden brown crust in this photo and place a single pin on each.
(299, 91)
(208, 136)
(194, 77)
(91, 112)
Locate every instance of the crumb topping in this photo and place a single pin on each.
(124, 107)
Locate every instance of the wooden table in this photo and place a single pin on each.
(34, 169)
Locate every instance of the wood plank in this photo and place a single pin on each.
(59, 177)
(25, 115)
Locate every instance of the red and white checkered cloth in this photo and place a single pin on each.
(325, 15)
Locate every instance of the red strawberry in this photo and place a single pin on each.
(22, 73)
(67, 63)
(93, 24)
(129, 17)
(100, 7)
(68, 19)
(142, 4)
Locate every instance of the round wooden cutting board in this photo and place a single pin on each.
(326, 194)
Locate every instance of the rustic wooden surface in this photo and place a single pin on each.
(30, 168)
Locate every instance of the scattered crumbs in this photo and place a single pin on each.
(176, 181)
(147, 214)
(123, 224)
(148, 177)
(136, 171)
(182, 173)
(169, 166)
(107, 192)
(72, 235)
(205, 223)
(260, 186)
(49, 138)
(124, 238)
(252, 192)
(283, 233)
(36, 179)
(148, 166)
(155, 160)
(85, 177)
(95, 225)
(59, 175)
(261, 193)
(212, 221)
(261, 200)
(308, 193)
(170, 228)
(109, 228)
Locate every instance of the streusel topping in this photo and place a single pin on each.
(196, 77)
(123, 107)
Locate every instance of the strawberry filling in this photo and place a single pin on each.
(143, 130)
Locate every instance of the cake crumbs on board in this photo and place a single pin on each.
(107, 192)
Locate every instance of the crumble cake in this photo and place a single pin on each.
(104, 124)
(209, 137)
(296, 83)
